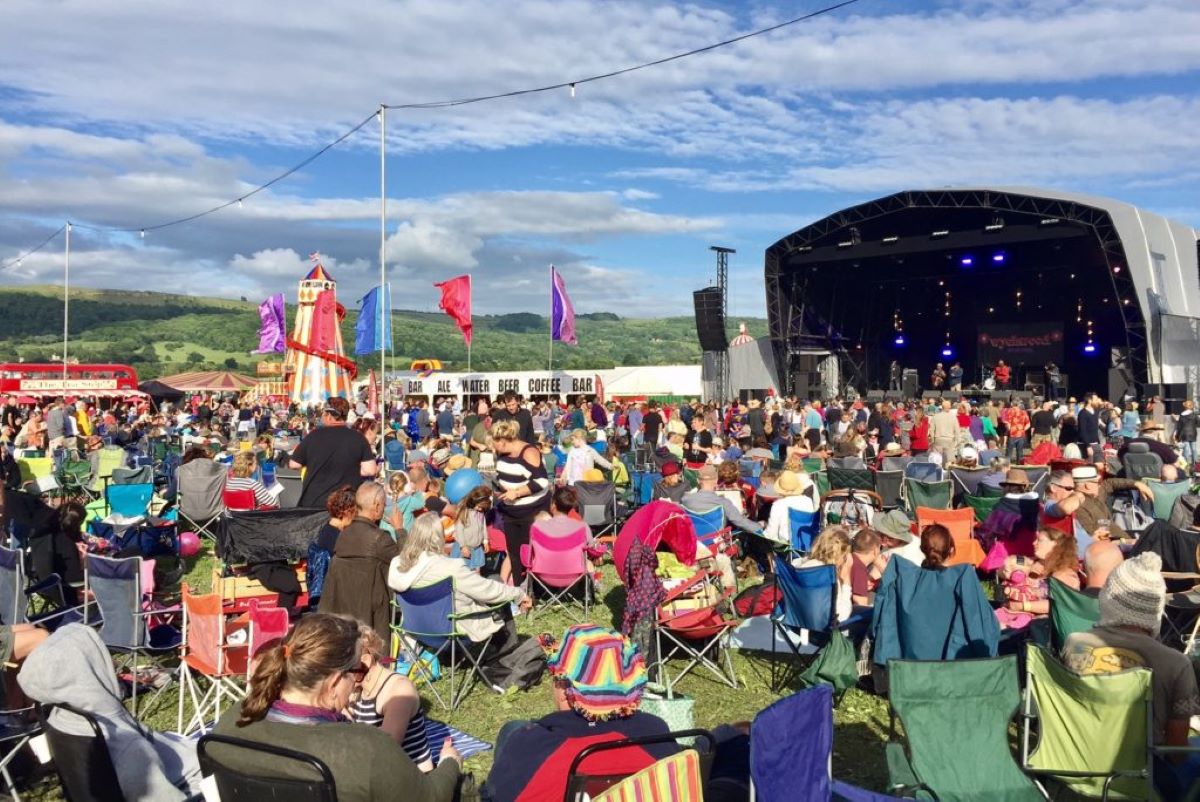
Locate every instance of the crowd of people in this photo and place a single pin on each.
(403, 515)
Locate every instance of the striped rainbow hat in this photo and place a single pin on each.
(604, 671)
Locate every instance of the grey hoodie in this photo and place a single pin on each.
(73, 666)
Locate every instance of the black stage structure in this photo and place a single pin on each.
(976, 275)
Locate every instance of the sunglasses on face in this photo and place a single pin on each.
(1065, 487)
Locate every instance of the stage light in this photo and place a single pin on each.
(804, 249)
(947, 351)
(1050, 221)
(846, 244)
(890, 240)
(899, 339)
(945, 232)
(997, 224)
(967, 261)
(997, 257)
(1116, 268)
(1090, 348)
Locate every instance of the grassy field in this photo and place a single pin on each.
(860, 719)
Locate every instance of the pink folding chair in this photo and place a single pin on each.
(267, 625)
(557, 565)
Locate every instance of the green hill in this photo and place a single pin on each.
(159, 333)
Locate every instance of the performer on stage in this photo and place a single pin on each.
(1003, 375)
(1053, 381)
(894, 372)
(938, 377)
(956, 377)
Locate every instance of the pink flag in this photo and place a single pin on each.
(456, 302)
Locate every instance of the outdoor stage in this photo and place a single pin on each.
(1107, 292)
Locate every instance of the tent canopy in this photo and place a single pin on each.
(207, 381)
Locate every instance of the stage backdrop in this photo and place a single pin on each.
(1031, 344)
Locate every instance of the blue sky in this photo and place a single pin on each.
(128, 113)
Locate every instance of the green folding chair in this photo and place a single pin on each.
(990, 491)
(812, 464)
(1165, 496)
(982, 505)
(821, 480)
(935, 495)
(1094, 731)
(1070, 612)
(956, 716)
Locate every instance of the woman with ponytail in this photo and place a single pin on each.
(298, 690)
(937, 545)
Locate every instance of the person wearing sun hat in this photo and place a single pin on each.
(598, 678)
(794, 490)
(1131, 610)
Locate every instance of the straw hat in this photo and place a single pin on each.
(790, 483)
(1151, 426)
(893, 449)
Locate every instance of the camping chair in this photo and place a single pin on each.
(711, 530)
(1061, 705)
(751, 471)
(673, 779)
(20, 602)
(582, 782)
(201, 485)
(1070, 612)
(598, 506)
(84, 766)
(1140, 462)
(966, 480)
(850, 507)
(133, 476)
(128, 500)
(1165, 496)
(116, 586)
(804, 528)
(204, 654)
(889, 485)
(935, 495)
(791, 746)
(851, 478)
(643, 483)
(807, 606)
(1039, 477)
(895, 463)
(394, 456)
(75, 480)
(735, 498)
(982, 506)
(34, 469)
(923, 471)
(107, 459)
(961, 523)
(17, 728)
(239, 500)
(956, 716)
(695, 618)
(265, 626)
(557, 565)
(821, 480)
(990, 491)
(812, 464)
(428, 620)
(845, 463)
(250, 776)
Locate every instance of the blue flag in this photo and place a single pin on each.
(374, 327)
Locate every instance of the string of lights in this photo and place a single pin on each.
(450, 103)
(14, 262)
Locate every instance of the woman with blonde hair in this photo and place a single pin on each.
(832, 547)
(298, 690)
(524, 489)
(241, 477)
(390, 701)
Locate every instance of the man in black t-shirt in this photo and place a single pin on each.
(651, 425)
(10, 416)
(511, 409)
(1041, 424)
(333, 455)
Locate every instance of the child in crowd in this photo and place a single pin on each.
(470, 526)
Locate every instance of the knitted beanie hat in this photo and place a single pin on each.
(1135, 594)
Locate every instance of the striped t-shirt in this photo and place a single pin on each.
(262, 496)
(416, 742)
(514, 472)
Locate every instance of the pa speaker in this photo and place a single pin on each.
(710, 319)
(909, 383)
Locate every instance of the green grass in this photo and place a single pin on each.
(860, 720)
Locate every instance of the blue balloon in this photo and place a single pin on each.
(462, 482)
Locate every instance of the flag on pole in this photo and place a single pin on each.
(324, 322)
(456, 302)
(374, 328)
(562, 320)
(273, 332)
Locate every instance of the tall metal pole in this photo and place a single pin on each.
(66, 300)
(384, 296)
(723, 284)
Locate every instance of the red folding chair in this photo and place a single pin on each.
(695, 619)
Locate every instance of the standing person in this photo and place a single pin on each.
(938, 377)
(1017, 421)
(918, 435)
(634, 423)
(524, 486)
(332, 455)
(423, 426)
(56, 425)
(1053, 381)
(1089, 429)
(511, 409)
(943, 432)
(956, 377)
(894, 375)
(1003, 374)
(445, 421)
(652, 425)
(1185, 433)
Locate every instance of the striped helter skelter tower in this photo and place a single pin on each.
(316, 373)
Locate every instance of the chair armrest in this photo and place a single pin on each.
(486, 611)
(901, 777)
(48, 582)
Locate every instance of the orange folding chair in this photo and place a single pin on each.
(207, 660)
(961, 523)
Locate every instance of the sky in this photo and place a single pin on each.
(128, 113)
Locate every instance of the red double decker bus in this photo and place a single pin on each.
(39, 380)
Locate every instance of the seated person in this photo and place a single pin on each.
(423, 561)
(832, 547)
(866, 568)
(342, 508)
(671, 487)
(794, 491)
(1099, 561)
(1026, 579)
(390, 701)
(356, 584)
(581, 458)
(73, 667)
(1089, 501)
(563, 520)
(241, 477)
(896, 538)
(598, 677)
(298, 691)
(703, 499)
(1131, 611)
(729, 477)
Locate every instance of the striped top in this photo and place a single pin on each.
(262, 496)
(514, 472)
(416, 744)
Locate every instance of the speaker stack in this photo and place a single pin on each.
(710, 319)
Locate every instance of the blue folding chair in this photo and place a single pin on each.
(710, 528)
(644, 482)
(115, 586)
(751, 471)
(428, 622)
(923, 471)
(804, 527)
(791, 743)
(807, 603)
(129, 501)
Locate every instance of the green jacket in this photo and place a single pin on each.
(366, 763)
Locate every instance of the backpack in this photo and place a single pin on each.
(758, 599)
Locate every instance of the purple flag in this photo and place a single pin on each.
(273, 332)
(562, 313)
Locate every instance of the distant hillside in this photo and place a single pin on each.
(159, 333)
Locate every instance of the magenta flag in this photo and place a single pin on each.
(562, 313)
(273, 332)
